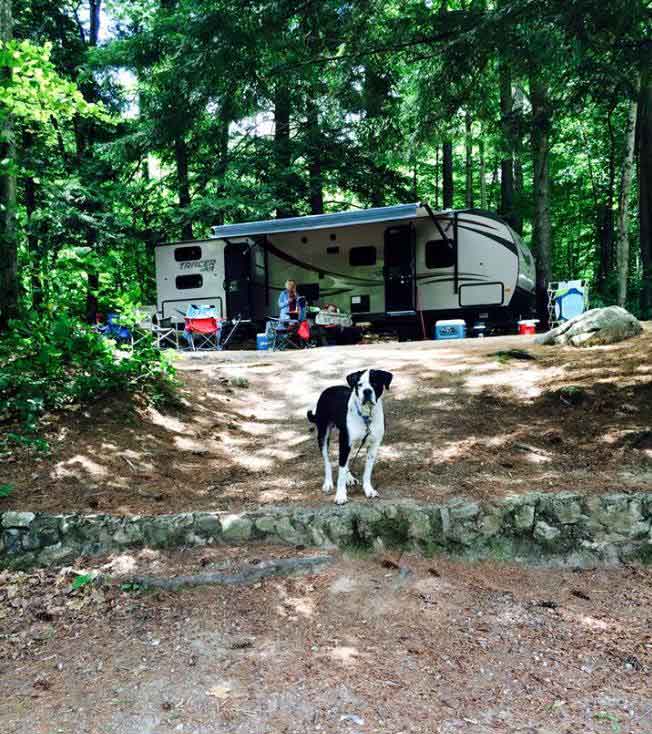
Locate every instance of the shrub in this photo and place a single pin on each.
(47, 364)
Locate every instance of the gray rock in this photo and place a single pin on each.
(419, 527)
(524, 517)
(17, 519)
(603, 529)
(56, 554)
(129, 534)
(207, 524)
(236, 528)
(565, 508)
(445, 521)
(594, 327)
(288, 533)
(490, 524)
(266, 524)
(318, 537)
(193, 539)
(463, 509)
(546, 533)
(617, 515)
(340, 526)
(11, 540)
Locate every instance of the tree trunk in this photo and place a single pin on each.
(85, 137)
(447, 175)
(623, 203)
(226, 116)
(8, 239)
(483, 174)
(94, 13)
(183, 184)
(468, 139)
(507, 162)
(605, 221)
(315, 176)
(519, 103)
(542, 234)
(645, 187)
(436, 177)
(376, 89)
(282, 148)
(32, 239)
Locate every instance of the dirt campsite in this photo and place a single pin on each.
(479, 418)
(475, 647)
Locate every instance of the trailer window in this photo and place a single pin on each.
(359, 256)
(439, 254)
(183, 254)
(189, 281)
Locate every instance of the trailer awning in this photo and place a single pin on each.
(319, 221)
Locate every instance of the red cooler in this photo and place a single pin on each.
(528, 327)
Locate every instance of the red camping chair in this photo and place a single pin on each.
(203, 333)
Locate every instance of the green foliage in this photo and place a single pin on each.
(6, 490)
(37, 91)
(49, 364)
(167, 124)
(81, 579)
(131, 588)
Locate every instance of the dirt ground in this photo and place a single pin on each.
(421, 646)
(460, 421)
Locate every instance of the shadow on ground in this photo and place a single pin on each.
(460, 420)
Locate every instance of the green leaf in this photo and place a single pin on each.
(81, 580)
(6, 490)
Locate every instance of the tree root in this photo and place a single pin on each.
(249, 575)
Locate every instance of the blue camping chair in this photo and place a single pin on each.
(567, 299)
(113, 329)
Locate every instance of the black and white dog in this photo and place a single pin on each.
(357, 412)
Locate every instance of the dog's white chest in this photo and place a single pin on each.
(358, 427)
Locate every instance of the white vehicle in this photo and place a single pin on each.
(388, 264)
(189, 273)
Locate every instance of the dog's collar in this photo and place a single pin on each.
(365, 418)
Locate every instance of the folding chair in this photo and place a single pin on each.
(113, 329)
(567, 299)
(165, 333)
(283, 334)
(202, 328)
(144, 329)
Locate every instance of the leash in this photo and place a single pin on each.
(367, 423)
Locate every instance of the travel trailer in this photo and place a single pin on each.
(387, 265)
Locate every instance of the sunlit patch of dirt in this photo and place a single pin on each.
(480, 647)
(460, 420)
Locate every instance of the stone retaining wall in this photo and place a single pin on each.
(559, 528)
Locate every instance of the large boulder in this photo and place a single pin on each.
(597, 326)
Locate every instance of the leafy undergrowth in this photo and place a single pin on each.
(48, 365)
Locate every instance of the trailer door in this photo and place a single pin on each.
(238, 279)
(399, 269)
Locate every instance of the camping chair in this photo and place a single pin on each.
(113, 329)
(202, 328)
(165, 333)
(566, 299)
(285, 334)
(144, 329)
